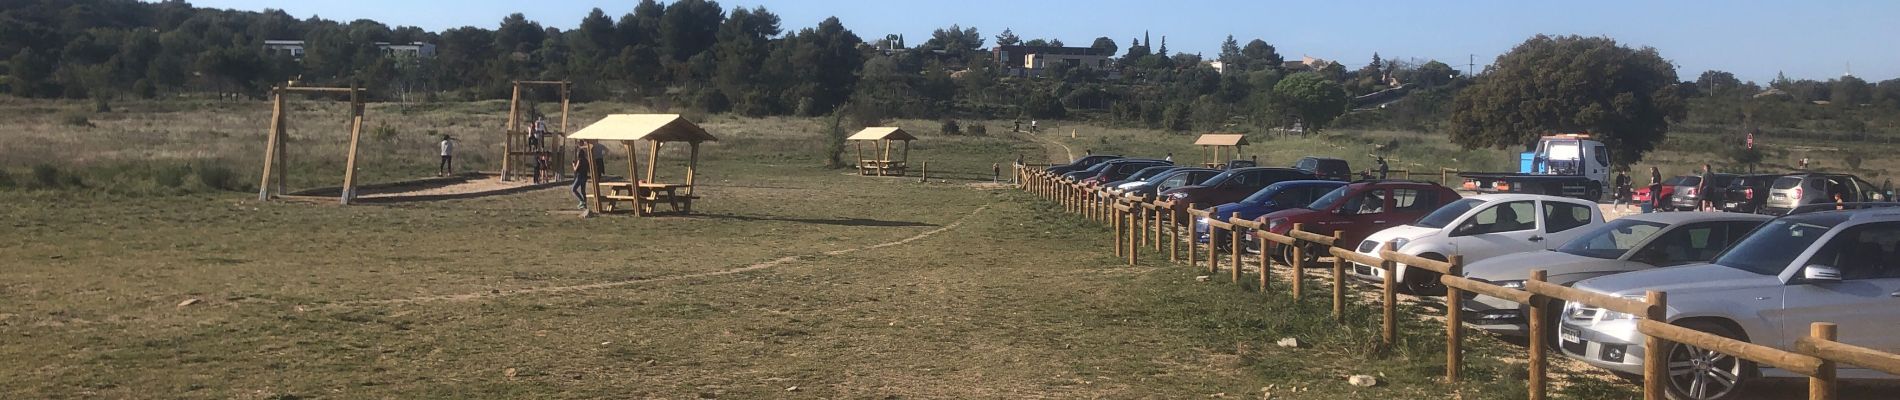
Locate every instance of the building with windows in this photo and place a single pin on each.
(292, 48)
(415, 50)
(1032, 60)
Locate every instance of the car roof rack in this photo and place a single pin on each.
(1812, 208)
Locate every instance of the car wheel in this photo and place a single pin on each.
(1701, 374)
(1422, 282)
(1595, 193)
(1308, 255)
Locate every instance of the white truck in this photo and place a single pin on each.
(1570, 165)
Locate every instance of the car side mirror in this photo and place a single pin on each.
(1821, 274)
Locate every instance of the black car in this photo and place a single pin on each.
(1119, 169)
(1325, 168)
(1746, 193)
(1080, 164)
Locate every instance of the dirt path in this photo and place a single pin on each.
(1057, 157)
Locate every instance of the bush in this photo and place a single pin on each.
(76, 119)
(217, 177)
(383, 131)
(100, 105)
(979, 130)
(950, 127)
(171, 176)
(46, 176)
(6, 180)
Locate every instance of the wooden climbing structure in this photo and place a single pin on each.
(521, 151)
(272, 183)
(1213, 143)
(643, 194)
(885, 137)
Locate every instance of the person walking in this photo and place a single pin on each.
(581, 170)
(1623, 189)
(448, 156)
(1705, 201)
(1655, 190)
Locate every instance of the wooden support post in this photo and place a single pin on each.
(633, 169)
(1388, 299)
(356, 132)
(1339, 286)
(692, 172)
(508, 137)
(1117, 227)
(270, 143)
(923, 171)
(1655, 350)
(859, 162)
(1174, 236)
(1540, 335)
(1297, 261)
(1266, 263)
(1822, 386)
(1187, 230)
(1454, 323)
(653, 160)
(1213, 251)
(1156, 213)
(1134, 244)
(593, 171)
(1233, 249)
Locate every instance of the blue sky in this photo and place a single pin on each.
(1754, 39)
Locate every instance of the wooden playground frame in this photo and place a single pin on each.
(1212, 143)
(275, 164)
(884, 137)
(516, 150)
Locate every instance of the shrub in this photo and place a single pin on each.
(950, 127)
(100, 105)
(75, 119)
(6, 180)
(171, 176)
(46, 176)
(217, 176)
(979, 130)
(383, 131)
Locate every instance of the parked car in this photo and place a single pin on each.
(1689, 195)
(1084, 173)
(1747, 193)
(1275, 197)
(1478, 228)
(1231, 186)
(1360, 209)
(1172, 178)
(1641, 195)
(1080, 164)
(1139, 176)
(1631, 243)
(1830, 266)
(1118, 169)
(1790, 191)
(1325, 168)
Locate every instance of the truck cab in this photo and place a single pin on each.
(1570, 165)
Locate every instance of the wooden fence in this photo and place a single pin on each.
(1139, 221)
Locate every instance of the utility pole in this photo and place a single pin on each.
(1471, 63)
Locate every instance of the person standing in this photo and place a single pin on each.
(1622, 185)
(1655, 189)
(535, 133)
(448, 156)
(1384, 168)
(1705, 201)
(581, 169)
(600, 157)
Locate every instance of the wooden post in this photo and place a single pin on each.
(1213, 253)
(356, 132)
(1339, 286)
(1233, 249)
(653, 159)
(692, 170)
(1192, 250)
(1540, 335)
(1118, 237)
(1266, 264)
(633, 175)
(1297, 261)
(1822, 386)
(270, 142)
(1157, 223)
(1454, 323)
(1174, 235)
(593, 171)
(924, 171)
(1655, 357)
(508, 136)
(859, 162)
(1389, 300)
(1134, 244)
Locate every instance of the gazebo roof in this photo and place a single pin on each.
(657, 127)
(1222, 139)
(882, 133)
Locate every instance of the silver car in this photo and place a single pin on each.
(1833, 266)
(1789, 192)
(1632, 243)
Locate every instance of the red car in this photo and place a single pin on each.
(1360, 209)
(1641, 193)
(1231, 186)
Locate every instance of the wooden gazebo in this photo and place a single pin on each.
(887, 137)
(1213, 143)
(644, 194)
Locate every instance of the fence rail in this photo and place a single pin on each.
(1138, 220)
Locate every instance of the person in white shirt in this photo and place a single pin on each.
(534, 135)
(448, 156)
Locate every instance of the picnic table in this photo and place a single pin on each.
(645, 196)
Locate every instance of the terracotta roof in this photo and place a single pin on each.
(660, 127)
(882, 133)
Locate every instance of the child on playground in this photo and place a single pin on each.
(541, 168)
(539, 129)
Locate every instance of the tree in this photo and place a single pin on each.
(1624, 97)
(689, 27)
(1435, 73)
(1314, 100)
(1258, 54)
(743, 44)
(1850, 90)
(596, 34)
(1713, 82)
(1105, 45)
(1230, 54)
(1055, 42)
(955, 40)
(1037, 43)
(1007, 38)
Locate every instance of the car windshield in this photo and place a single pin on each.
(1769, 249)
(1445, 215)
(1611, 240)
(1264, 194)
(1144, 173)
(1330, 200)
(1218, 179)
(1098, 167)
(1787, 182)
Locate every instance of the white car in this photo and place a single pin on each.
(1835, 266)
(1632, 243)
(1478, 228)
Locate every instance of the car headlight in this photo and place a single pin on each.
(1613, 315)
(1275, 224)
(1510, 284)
(1399, 243)
(1178, 196)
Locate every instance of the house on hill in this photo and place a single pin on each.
(1024, 61)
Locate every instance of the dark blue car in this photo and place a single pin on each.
(1275, 197)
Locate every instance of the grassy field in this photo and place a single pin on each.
(792, 281)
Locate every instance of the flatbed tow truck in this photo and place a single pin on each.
(1570, 165)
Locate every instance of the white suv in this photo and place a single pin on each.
(1834, 266)
(1479, 227)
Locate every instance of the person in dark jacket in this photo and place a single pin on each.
(1656, 199)
(1623, 189)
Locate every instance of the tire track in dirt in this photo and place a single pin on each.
(1068, 153)
(612, 284)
